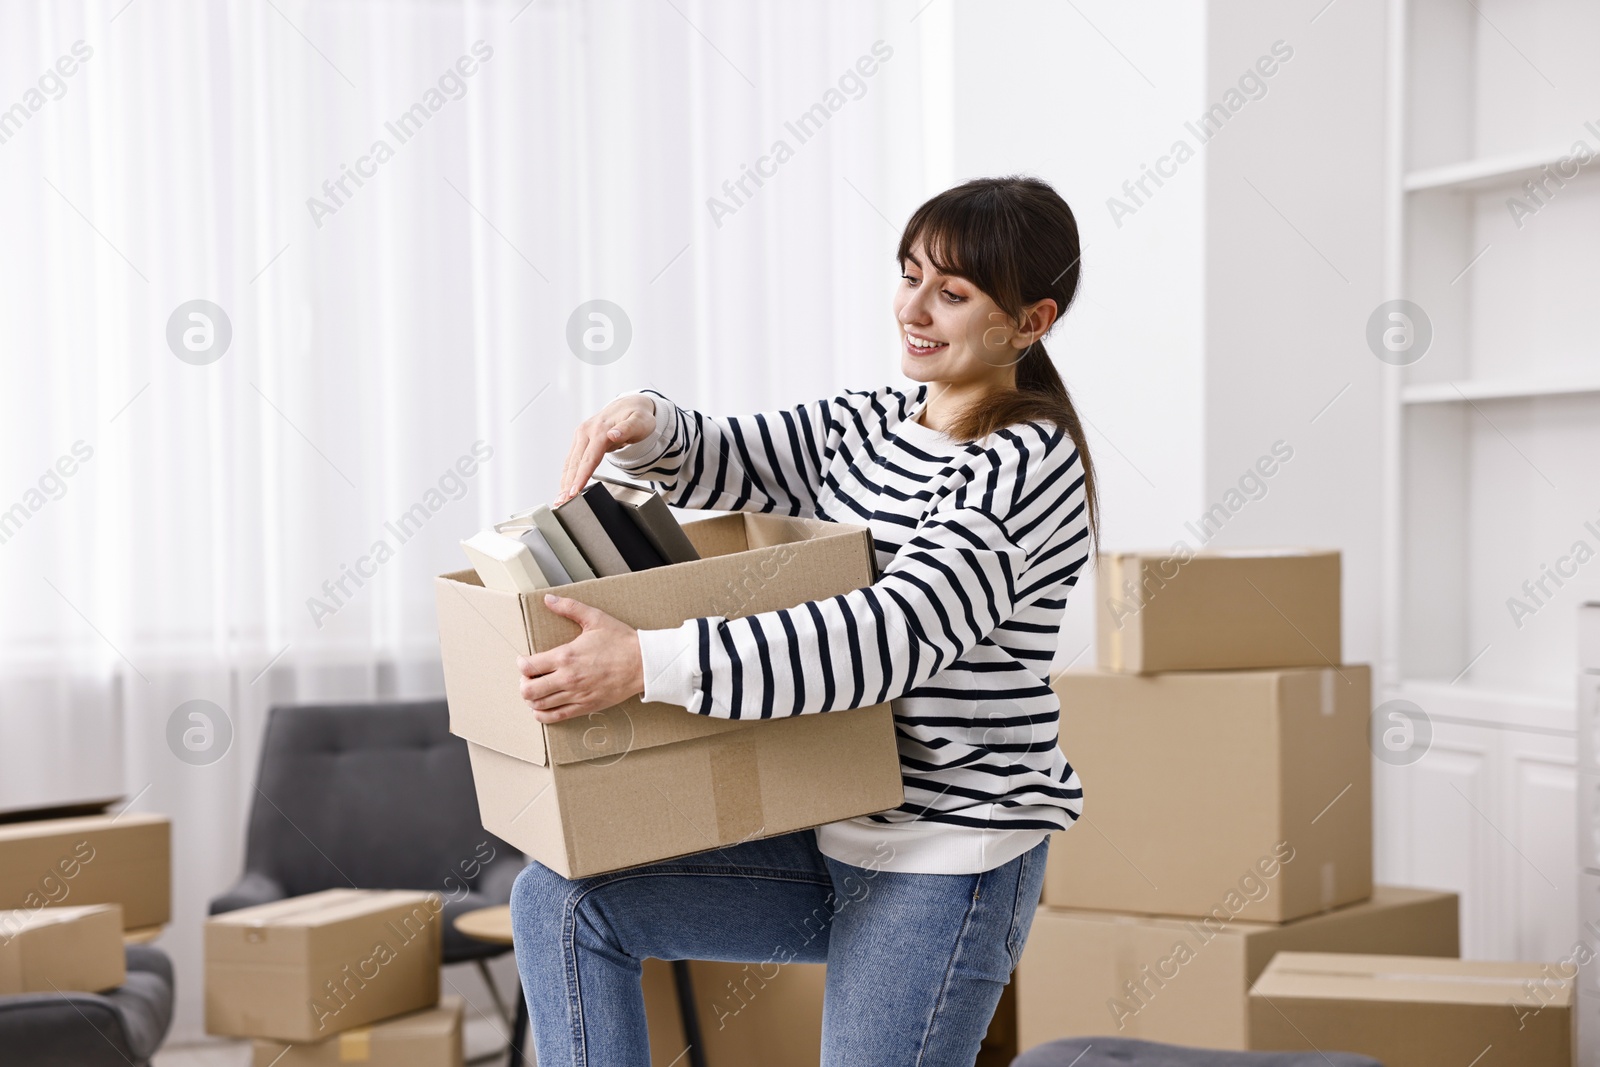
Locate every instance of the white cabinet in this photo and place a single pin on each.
(1589, 831)
(1489, 812)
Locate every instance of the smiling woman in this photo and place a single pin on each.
(978, 490)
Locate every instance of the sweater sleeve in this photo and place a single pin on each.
(1011, 529)
(772, 461)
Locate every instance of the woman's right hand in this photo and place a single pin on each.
(622, 422)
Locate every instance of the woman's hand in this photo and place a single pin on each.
(600, 667)
(622, 422)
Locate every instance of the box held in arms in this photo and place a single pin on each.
(643, 782)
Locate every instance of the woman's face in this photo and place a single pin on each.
(975, 343)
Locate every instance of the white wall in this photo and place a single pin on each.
(1293, 268)
(1039, 90)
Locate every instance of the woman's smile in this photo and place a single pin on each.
(919, 345)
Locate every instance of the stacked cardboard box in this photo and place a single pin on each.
(427, 1038)
(123, 859)
(340, 976)
(59, 950)
(1222, 744)
(1186, 981)
(1409, 1012)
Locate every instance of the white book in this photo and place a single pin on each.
(504, 562)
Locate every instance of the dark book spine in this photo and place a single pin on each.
(636, 550)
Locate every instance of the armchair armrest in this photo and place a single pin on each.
(254, 888)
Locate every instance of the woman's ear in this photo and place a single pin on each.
(1037, 318)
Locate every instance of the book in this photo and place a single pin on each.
(591, 539)
(561, 544)
(544, 556)
(601, 524)
(655, 520)
(504, 563)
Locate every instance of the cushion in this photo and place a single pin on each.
(1106, 1051)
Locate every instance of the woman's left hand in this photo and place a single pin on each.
(600, 667)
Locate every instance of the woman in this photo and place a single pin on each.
(980, 495)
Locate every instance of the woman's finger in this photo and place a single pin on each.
(589, 462)
(541, 688)
(580, 443)
(557, 714)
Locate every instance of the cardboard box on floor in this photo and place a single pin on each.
(750, 1015)
(1218, 610)
(427, 1038)
(1409, 1012)
(123, 859)
(310, 967)
(1186, 981)
(644, 782)
(1244, 792)
(60, 950)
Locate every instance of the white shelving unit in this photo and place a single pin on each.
(1589, 824)
(1491, 446)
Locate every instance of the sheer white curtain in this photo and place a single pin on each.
(396, 206)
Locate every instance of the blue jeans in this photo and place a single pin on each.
(916, 962)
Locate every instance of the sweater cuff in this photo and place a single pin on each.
(671, 671)
(642, 453)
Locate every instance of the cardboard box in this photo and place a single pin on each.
(1247, 793)
(747, 1017)
(1218, 610)
(1411, 1012)
(644, 782)
(1186, 981)
(750, 1015)
(427, 1038)
(310, 967)
(121, 859)
(60, 950)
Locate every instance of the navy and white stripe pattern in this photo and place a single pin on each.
(978, 544)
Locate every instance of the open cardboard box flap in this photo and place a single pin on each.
(750, 563)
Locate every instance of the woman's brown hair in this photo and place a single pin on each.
(1017, 240)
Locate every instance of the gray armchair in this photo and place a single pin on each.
(375, 796)
(1127, 1052)
(115, 1029)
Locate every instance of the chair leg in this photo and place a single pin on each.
(494, 992)
(519, 1034)
(688, 1010)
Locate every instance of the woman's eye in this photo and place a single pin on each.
(954, 299)
(909, 278)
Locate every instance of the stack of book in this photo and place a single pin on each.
(612, 527)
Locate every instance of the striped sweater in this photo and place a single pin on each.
(978, 544)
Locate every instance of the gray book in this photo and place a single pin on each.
(586, 531)
(556, 536)
(544, 556)
(650, 513)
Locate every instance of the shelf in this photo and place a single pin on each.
(1503, 389)
(1476, 174)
